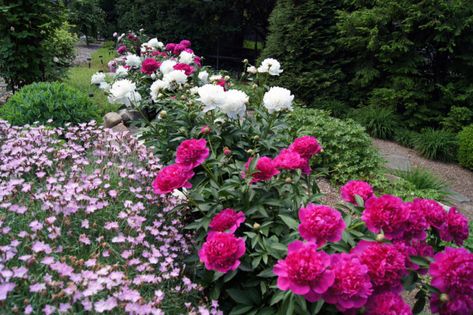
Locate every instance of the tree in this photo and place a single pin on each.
(25, 27)
(87, 16)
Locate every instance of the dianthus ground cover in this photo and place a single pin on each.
(81, 230)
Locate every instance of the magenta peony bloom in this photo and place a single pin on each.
(222, 83)
(188, 69)
(305, 271)
(172, 177)
(289, 160)
(415, 248)
(385, 213)
(386, 264)
(356, 187)
(264, 170)
(170, 47)
(192, 152)
(178, 49)
(455, 228)
(186, 43)
(352, 285)
(433, 211)
(121, 49)
(149, 66)
(221, 251)
(451, 304)
(416, 225)
(198, 61)
(387, 303)
(306, 146)
(452, 271)
(320, 224)
(227, 220)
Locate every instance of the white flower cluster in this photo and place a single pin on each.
(124, 92)
(278, 99)
(133, 61)
(170, 81)
(232, 102)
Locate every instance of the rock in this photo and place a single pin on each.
(397, 162)
(111, 120)
(120, 128)
(129, 115)
(457, 198)
(391, 178)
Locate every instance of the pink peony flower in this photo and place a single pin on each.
(170, 47)
(178, 49)
(188, 69)
(455, 228)
(451, 304)
(221, 251)
(385, 213)
(452, 273)
(149, 66)
(172, 177)
(265, 169)
(306, 146)
(198, 61)
(356, 187)
(192, 152)
(433, 211)
(121, 49)
(289, 160)
(414, 248)
(352, 285)
(416, 225)
(305, 271)
(186, 43)
(386, 264)
(227, 220)
(320, 224)
(387, 303)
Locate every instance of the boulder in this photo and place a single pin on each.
(120, 128)
(129, 115)
(112, 119)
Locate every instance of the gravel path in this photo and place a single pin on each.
(460, 180)
(83, 52)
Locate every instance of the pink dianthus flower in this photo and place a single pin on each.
(320, 224)
(305, 271)
(227, 220)
(352, 285)
(192, 152)
(306, 146)
(221, 251)
(356, 187)
(386, 264)
(172, 177)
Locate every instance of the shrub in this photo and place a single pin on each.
(380, 122)
(435, 144)
(405, 137)
(423, 180)
(40, 102)
(465, 149)
(348, 152)
(25, 29)
(457, 118)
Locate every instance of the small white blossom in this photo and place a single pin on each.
(155, 43)
(271, 66)
(215, 77)
(133, 61)
(157, 87)
(97, 78)
(251, 69)
(278, 99)
(104, 86)
(167, 66)
(121, 72)
(235, 104)
(203, 76)
(186, 57)
(124, 92)
(176, 76)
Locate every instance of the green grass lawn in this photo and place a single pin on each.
(79, 77)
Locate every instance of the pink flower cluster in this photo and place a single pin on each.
(189, 154)
(297, 156)
(356, 187)
(222, 249)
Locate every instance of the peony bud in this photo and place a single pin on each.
(288, 180)
(245, 61)
(250, 151)
(380, 237)
(256, 138)
(256, 226)
(227, 78)
(163, 114)
(205, 130)
(227, 151)
(444, 297)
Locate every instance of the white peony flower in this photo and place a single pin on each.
(203, 76)
(194, 90)
(104, 86)
(278, 99)
(133, 61)
(271, 66)
(124, 92)
(157, 87)
(155, 43)
(121, 72)
(175, 76)
(212, 96)
(186, 57)
(97, 78)
(167, 66)
(251, 69)
(235, 104)
(215, 77)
